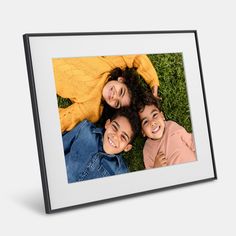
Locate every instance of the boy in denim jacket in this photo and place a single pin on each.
(92, 152)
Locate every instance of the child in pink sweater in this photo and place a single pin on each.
(167, 142)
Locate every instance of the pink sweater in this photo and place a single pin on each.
(176, 144)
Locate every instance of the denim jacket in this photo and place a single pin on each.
(85, 157)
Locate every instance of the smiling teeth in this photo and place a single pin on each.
(112, 144)
(156, 129)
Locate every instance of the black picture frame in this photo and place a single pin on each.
(34, 45)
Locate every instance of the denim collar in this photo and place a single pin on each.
(98, 131)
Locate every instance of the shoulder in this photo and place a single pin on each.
(172, 125)
(172, 135)
(114, 164)
(86, 122)
(84, 126)
(123, 168)
(151, 148)
(150, 144)
(173, 128)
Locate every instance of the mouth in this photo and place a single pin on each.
(112, 143)
(156, 129)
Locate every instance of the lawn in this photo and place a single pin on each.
(170, 70)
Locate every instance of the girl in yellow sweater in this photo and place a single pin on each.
(85, 81)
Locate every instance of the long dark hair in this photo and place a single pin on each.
(135, 88)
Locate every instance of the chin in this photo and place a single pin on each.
(157, 137)
(111, 152)
(107, 150)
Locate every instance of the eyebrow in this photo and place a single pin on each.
(154, 110)
(143, 119)
(123, 132)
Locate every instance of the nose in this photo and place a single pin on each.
(153, 123)
(114, 95)
(115, 137)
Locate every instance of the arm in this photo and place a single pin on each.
(183, 149)
(68, 138)
(76, 113)
(187, 138)
(149, 155)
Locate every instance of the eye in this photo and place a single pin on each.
(123, 138)
(144, 123)
(114, 127)
(155, 115)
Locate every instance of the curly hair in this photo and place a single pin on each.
(132, 81)
(147, 99)
(135, 88)
(132, 117)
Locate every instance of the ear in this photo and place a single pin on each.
(162, 115)
(121, 79)
(128, 147)
(143, 133)
(107, 123)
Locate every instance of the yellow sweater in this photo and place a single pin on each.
(82, 80)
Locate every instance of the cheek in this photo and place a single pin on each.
(111, 104)
(161, 121)
(123, 145)
(126, 101)
(105, 93)
(147, 128)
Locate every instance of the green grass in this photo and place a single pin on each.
(63, 102)
(174, 101)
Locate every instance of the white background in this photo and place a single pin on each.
(206, 208)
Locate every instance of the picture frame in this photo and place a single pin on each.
(41, 48)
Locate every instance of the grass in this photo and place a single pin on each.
(174, 102)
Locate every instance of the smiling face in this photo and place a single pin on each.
(116, 93)
(117, 136)
(152, 122)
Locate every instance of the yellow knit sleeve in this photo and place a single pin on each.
(74, 114)
(144, 68)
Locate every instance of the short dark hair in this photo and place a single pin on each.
(148, 99)
(132, 117)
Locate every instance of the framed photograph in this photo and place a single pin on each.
(117, 114)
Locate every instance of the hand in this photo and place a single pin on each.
(160, 160)
(155, 91)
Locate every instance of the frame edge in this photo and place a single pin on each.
(37, 128)
(205, 103)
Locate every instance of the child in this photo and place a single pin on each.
(91, 152)
(85, 82)
(167, 142)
